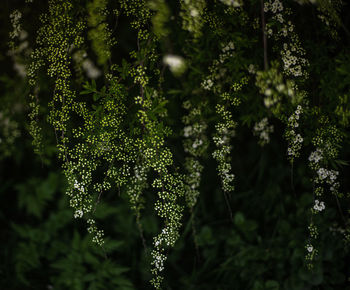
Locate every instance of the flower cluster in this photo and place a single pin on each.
(75, 202)
(274, 7)
(9, 132)
(15, 18)
(170, 187)
(316, 156)
(195, 144)
(19, 52)
(149, 143)
(100, 34)
(309, 248)
(326, 141)
(97, 234)
(207, 84)
(319, 205)
(139, 75)
(193, 179)
(293, 59)
(227, 51)
(262, 129)
(313, 230)
(224, 132)
(135, 189)
(252, 69)
(292, 53)
(176, 63)
(191, 13)
(311, 252)
(90, 69)
(217, 70)
(158, 260)
(225, 128)
(272, 85)
(328, 176)
(329, 14)
(232, 3)
(294, 139)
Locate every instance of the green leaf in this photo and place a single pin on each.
(239, 219)
(272, 285)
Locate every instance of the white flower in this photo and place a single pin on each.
(233, 3)
(78, 213)
(322, 173)
(319, 206)
(207, 84)
(268, 92)
(176, 63)
(262, 129)
(251, 69)
(316, 156)
(91, 70)
(333, 175)
(281, 87)
(194, 12)
(187, 131)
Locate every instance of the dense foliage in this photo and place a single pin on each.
(190, 144)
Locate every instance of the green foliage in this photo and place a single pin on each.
(99, 33)
(202, 145)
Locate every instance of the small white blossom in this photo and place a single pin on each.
(91, 70)
(319, 206)
(316, 156)
(176, 63)
(322, 173)
(207, 84)
(262, 129)
(78, 213)
(251, 69)
(187, 131)
(233, 3)
(15, 17)
(194, 12)
(309, 248)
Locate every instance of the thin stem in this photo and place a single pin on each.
(292, 179)
(140, 228)
(266, 66)
(228, 206)
(194, 233)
